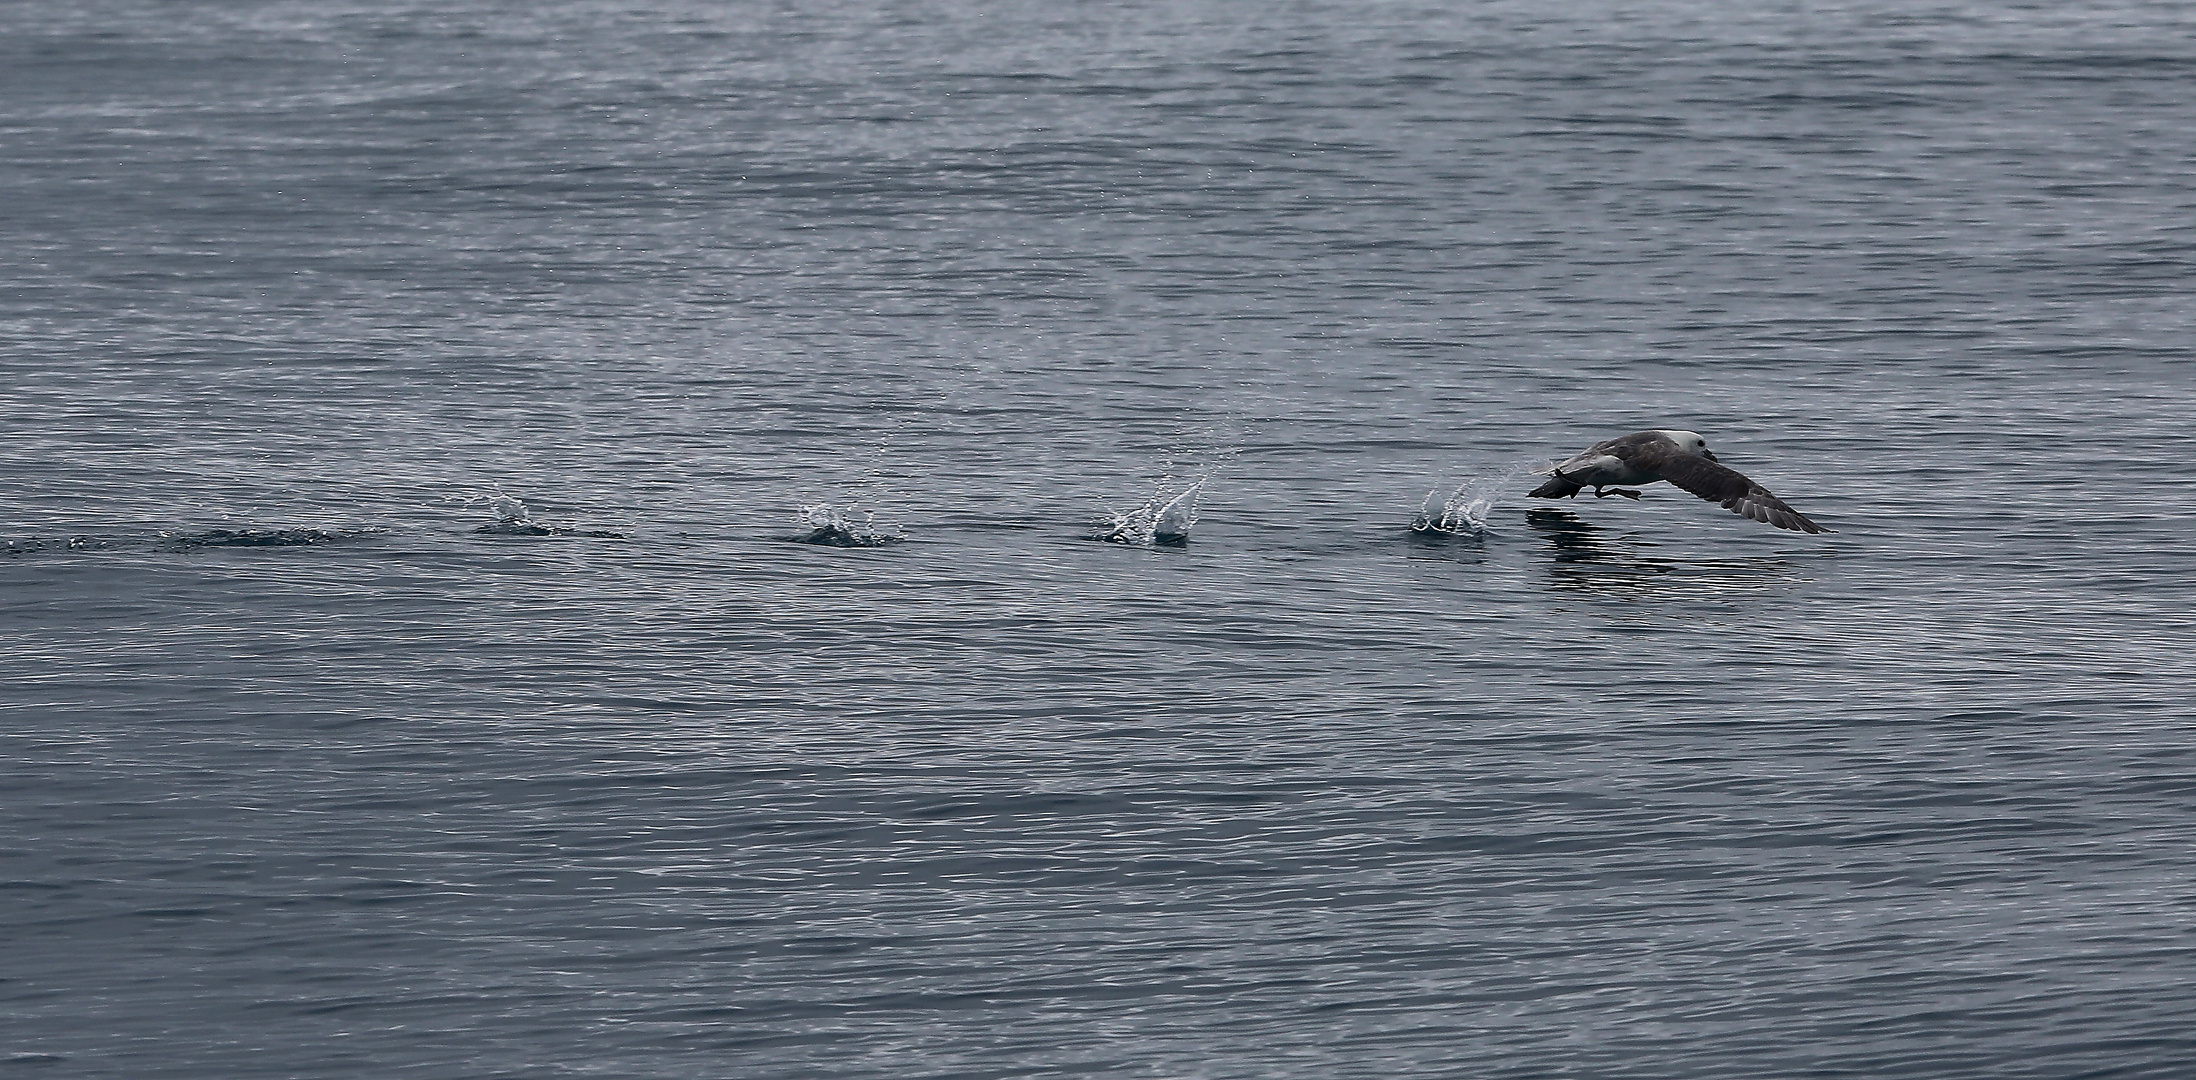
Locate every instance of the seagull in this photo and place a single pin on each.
(1682, 458)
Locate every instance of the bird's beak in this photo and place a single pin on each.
(1709, 454)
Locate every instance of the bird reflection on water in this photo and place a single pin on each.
(1590, 558)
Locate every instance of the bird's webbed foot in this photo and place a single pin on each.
(1626, 492)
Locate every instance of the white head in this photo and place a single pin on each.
(1688, 441)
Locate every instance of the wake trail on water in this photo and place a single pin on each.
(511, 519)
(190, 540)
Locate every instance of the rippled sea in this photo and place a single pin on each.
(572, 539)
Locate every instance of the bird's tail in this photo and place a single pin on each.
(1557, 488)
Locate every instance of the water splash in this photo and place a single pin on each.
(831, 526)
(1177, 517)
(856, 486)
(513, 519)
(1170, 512)
(1164, 520)
(1465, 511)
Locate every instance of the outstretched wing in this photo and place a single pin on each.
(1608, 453)
(1733, 490)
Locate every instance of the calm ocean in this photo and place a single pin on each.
(412, 415)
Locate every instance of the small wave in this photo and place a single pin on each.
(830, 526)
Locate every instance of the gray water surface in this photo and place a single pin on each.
(409, 665)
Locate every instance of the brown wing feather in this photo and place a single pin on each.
(1733, 490)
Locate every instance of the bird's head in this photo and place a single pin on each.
(1689, 442)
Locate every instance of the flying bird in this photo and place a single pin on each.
(1682, 458)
